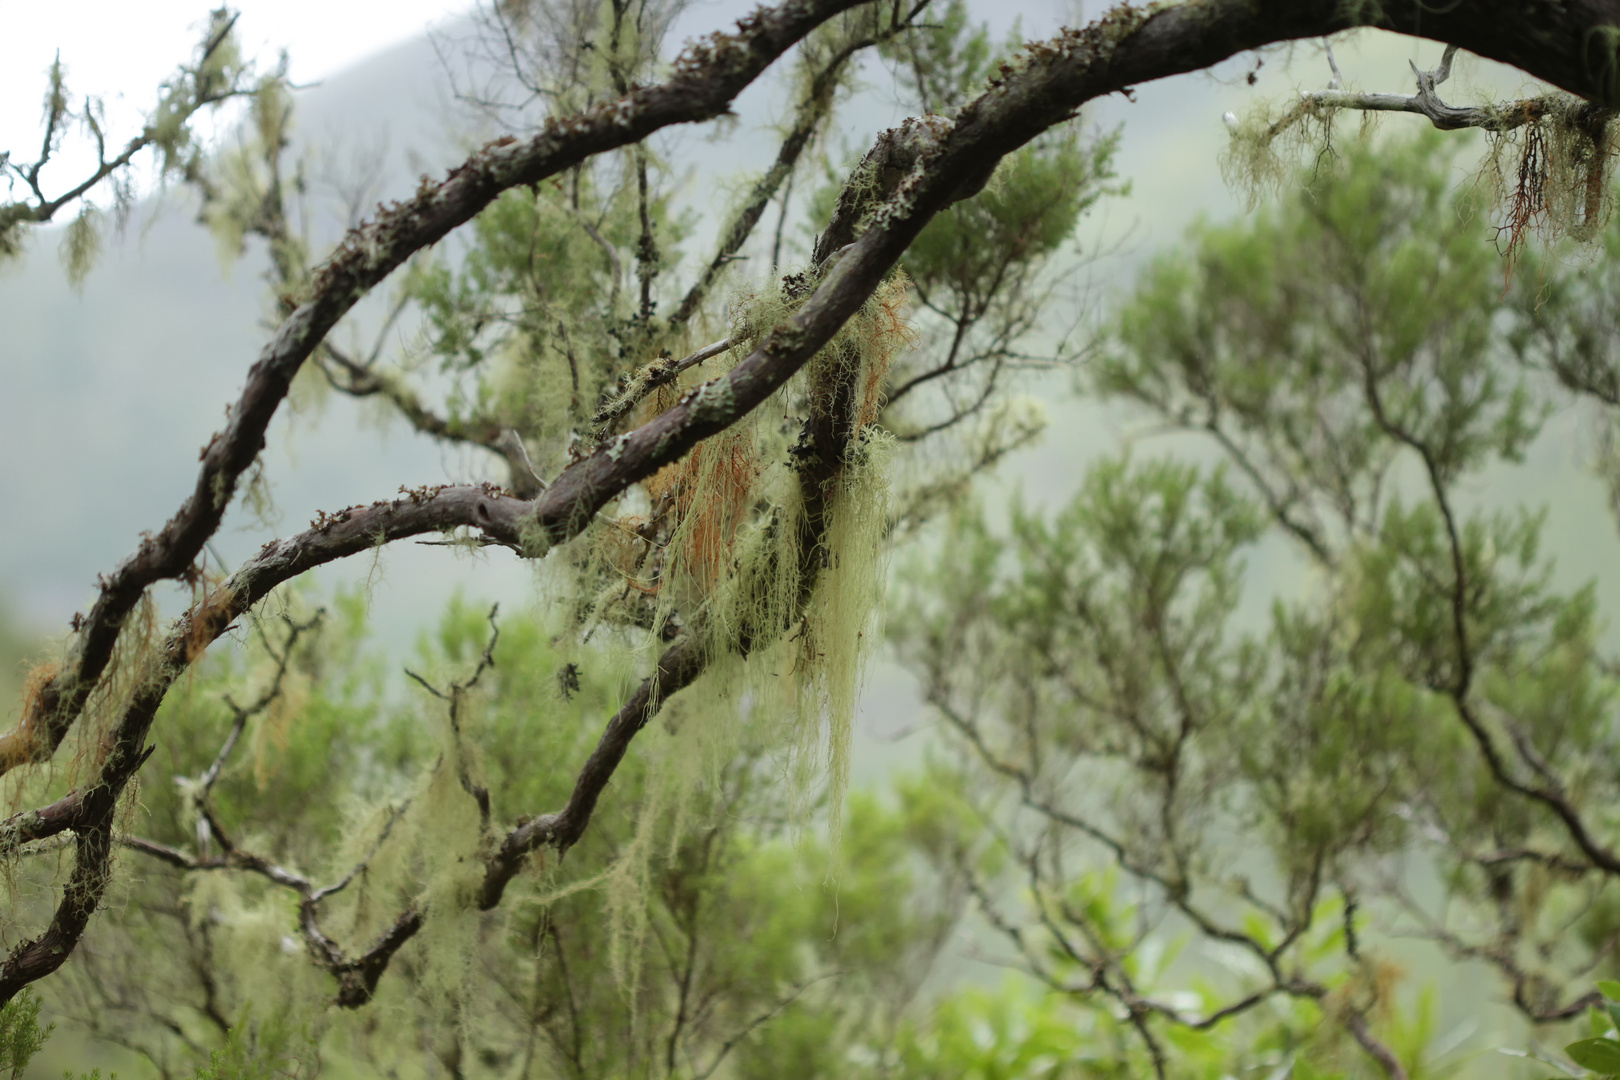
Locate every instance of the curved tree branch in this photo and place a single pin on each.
(938, 161)
(707, 77)
(813, 110)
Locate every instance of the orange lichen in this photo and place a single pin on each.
(711, 489)
(890, 332)
(20, 745)
(208, 618)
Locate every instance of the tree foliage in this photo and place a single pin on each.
(333, 875)
(1405, 745)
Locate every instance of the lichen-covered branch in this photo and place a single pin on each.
(635, 388)
(212, 78)
(929, 164)
(707, 77)
(1564, 142)
(811, 113)
(1427, 102)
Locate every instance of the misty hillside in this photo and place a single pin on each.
(110, 391)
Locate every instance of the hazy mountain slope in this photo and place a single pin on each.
(107, 394)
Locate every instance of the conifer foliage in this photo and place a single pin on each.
(707, 470)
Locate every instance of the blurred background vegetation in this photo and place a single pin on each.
(1175, 762)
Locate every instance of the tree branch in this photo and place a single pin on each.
(660, 372)
(1427, 103)
(197, 95)
(707, 77)
(939, 161)
(812, 111)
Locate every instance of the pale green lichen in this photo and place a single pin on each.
(81, 245)
(1554, 174)
(1549, 169)
(1266, 148)
(843, 623)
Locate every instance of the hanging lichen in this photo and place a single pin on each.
(446, 835)
(1550, 171)
(823, 602)
(81, 245)
(842, 622)
(1265, 148)
(788, 629)
(710, 493)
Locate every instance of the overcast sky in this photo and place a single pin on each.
(121, 51)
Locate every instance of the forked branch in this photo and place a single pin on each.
(949, 160)
(707, 77)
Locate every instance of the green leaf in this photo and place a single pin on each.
(1599, 1055)
(1609, 988)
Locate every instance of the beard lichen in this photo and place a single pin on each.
(842, 621)
(813, 611)
(1550, 170)
(710, 493)
(447, 835)
(1263, 154)
(777, 567)
(787, 610)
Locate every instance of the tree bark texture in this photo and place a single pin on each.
(933, 161)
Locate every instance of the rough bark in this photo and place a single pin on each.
(1571, 45)
(707, 77)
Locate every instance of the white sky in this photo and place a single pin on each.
(121, 50)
